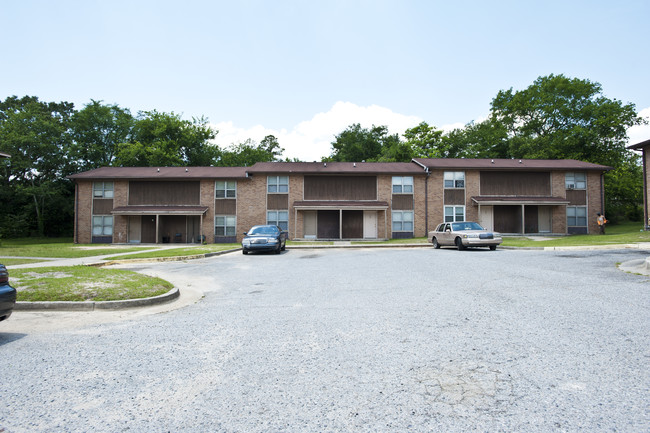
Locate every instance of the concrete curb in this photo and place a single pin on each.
(97, 305)
(161, 259)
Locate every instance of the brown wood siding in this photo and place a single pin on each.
(576, 197)
(277, 201)
(328, 224)
(531, 217)
(352, 224)
(340, 188)
(225, 207)
(402, 201)
(454, 196)
(164, 193)
(507, 219)
(515, 183)
(102, 206)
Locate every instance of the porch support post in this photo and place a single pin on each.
(295, 224)
(157, 221)
(386, 223)
(201, 229)
(523, 219)
(340, 223)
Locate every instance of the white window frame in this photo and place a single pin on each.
(279, 218)
(572, 216)
(454, 179)
(402, 184)
(103, 189)
(102, 225)
(227, 187)
(277, 184)
(575, 180)
(454, 214)
(227, 222)
(402, 221)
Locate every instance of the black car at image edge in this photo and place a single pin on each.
(7, 294)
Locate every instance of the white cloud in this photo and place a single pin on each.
(640, 133)
(311, 140)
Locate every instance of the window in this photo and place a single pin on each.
(225, 225)
(102, 225)
(278, 184)
(576, 216)
(454, 179)
(279, 218)
(103, 189)
(575, 181)
(454, 213)
(402, 184)
(403, 221)
(226, 189)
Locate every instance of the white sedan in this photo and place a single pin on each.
(464, 234)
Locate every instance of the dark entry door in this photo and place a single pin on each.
(507, 219)
(328, 224)
(148, 229)
(352, 224)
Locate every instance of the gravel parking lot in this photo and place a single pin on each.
(352, 340)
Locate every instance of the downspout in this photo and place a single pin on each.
(426, 202)
(645, 191)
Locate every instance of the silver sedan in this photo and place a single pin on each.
(464, 234)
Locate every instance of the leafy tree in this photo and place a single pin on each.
(249, 152)
(164, 139)
(559, 117)
(37, 136)
(487, 139)
(424, 140)
(362, 144)
(97, 131)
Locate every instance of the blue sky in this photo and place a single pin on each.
(304, 71)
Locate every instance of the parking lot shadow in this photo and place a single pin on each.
(8, 337)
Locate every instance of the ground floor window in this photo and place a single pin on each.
(225, 225)
(454, 214)
(576, 216)
(279, 218)
(102, 225)
(402, 221)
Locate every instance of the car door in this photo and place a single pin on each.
(445, 236)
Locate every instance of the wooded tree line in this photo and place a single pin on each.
(554, 118)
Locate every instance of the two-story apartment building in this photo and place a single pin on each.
(644, 148)
(334, 200)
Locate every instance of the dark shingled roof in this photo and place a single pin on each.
(337, 168)
(509, 164)
(162, 173)
(640, 146)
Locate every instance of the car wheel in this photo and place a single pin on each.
(493, 247)
(436, 245)
(278, 249)
(244, 252)
(284, 246)
(459, 244)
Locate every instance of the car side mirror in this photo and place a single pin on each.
(245, 233)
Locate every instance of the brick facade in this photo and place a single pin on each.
(251, 204)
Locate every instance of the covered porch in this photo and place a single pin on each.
(520, 215)
(162, 224)
(337, 220)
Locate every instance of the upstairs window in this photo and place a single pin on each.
(277, 184)
(402, 184)
(103, 189)
(454, 179)
(226, 189)
(575, 181)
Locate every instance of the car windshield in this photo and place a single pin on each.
(263, 231)
(466, 226)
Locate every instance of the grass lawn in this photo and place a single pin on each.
(84, 283)
(58, 248)
(177, 252)
(625, 233)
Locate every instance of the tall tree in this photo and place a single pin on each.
(164, 139)
(37, 136)
(249, 152)
(357, 144)
(559, 117)
(97, 131)
(425, 141)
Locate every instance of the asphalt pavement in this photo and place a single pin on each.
(350, 340)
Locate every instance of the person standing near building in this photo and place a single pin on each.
(601, 222)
